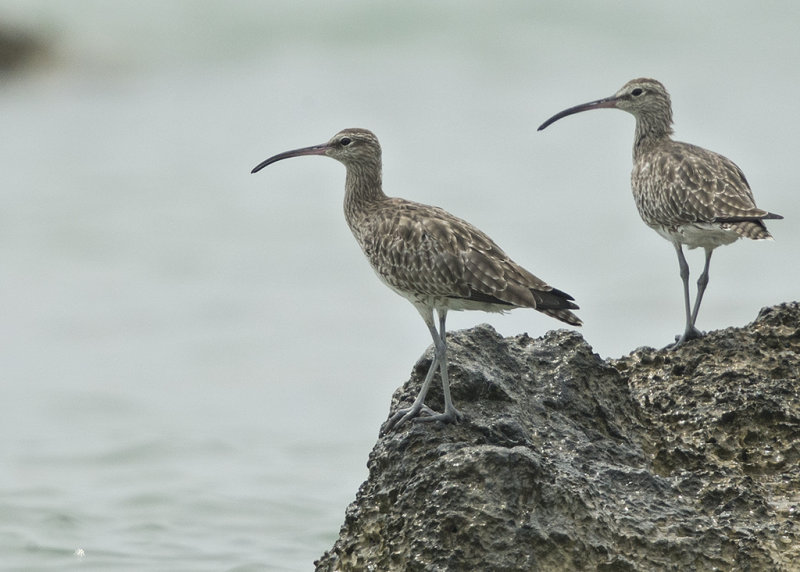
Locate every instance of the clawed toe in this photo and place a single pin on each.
(421, 413)
(692, 334)
(452, 416)
(402, 415)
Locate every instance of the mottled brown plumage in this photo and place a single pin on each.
(430, 257)
(434, 258)
(687, 194)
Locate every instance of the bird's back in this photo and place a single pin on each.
(432, 257)
(679, 185)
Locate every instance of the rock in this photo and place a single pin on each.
(661, 460)
(17, 48)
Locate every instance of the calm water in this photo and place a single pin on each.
(195, 361)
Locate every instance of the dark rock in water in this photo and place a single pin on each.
(661, 460)
(17, 47)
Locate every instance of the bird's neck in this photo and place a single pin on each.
(651, 130)
(363, 188)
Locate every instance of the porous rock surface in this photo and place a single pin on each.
(660, 460)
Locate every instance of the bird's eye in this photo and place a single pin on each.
(638, 91)
(345, 141)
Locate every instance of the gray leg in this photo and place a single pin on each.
(451, 414)
(402, 415)
(702, 282)
(684, 266)
(689, 332)
(440, 361)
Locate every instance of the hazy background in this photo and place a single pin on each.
(195, 361)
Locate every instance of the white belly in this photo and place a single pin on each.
(707, 235)
(445, 303)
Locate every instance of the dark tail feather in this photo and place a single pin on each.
(557, 304)
(756, 219)
(553, 300)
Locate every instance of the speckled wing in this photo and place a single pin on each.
(681, 184)
(426, 251)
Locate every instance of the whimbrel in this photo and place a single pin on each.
(430, 257)
(687, 194)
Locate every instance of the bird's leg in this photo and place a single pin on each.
(689, 332)
(451, 414)
(402, 415)
(702, 282)
(684, 266)
(440, 362)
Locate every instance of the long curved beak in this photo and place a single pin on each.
(600, 103)
(314, 150)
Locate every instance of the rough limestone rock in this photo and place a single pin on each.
(661, 460)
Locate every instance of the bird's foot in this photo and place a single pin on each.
(690, 334)
(402, 415)
(451, 416)
(416, 413)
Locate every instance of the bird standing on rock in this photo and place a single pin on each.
(430, 257)
(687, 194)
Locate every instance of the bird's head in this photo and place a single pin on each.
(644, 98)
(352, 147)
